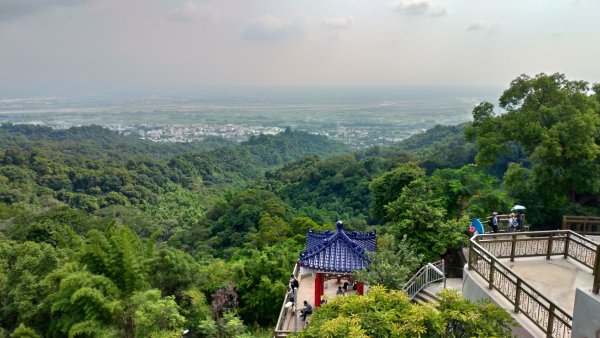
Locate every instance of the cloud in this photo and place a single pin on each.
(477, 25)
(192, 11)
(337, 23)
(484, 26)
(420, 8)
(269, 28)
(11, 9)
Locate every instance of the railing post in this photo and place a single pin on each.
(567, 241)
(518, 296)
(596, 286)
(471, 254)
(491, 278)
(549, 251)
(295, 309)
(444, 271)
(550, 320)
(513, 247)
(426, 276)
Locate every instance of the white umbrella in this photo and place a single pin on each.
(517, 207)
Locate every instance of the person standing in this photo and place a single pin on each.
(495, 222)
(512, 222)
(294, 284)
(519, 220)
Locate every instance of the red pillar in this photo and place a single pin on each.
(360, 288)
(318, 289)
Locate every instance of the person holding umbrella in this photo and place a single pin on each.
(519, 221)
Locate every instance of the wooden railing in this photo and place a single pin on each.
(430, 273)
(280, 331)
(585, 225)
(486, 250)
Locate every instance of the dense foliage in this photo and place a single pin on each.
(556, 122)
(383, 313)
(104, 235)
(93, 223)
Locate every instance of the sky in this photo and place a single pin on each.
(169, 43)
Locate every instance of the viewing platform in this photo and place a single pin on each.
(549, 280)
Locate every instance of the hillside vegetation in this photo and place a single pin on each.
(104, 235)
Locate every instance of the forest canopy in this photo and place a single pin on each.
(105, 235)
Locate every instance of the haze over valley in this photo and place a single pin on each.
(357, 116)
(165, 166)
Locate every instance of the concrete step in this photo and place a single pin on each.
(425, 297)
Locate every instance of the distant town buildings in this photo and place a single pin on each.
(358, 137)
(198, 132)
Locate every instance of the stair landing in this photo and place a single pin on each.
(451, 283)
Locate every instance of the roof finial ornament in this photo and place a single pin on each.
(340, 225)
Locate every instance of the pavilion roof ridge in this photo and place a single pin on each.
(328, 241)
(352, 234)
(337, 250)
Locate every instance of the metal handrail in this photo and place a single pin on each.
(589, 225)
(566, 243)
(427, 274)
(546, 315)
(278, 328)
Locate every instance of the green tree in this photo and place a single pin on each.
(468, 189)
(380, 313)
(193, 305)
(82, 303)
(466, 319)
(261, 278)
(208, 328)
(387, 187)
(156, 316)
(300, 226)
(392, 264)
(173, 271)
(418, 217)
(271, 230)
(23, 331)
(556, 122)
(383, 313)
(23, 267)
(232, 327)
(118, 254)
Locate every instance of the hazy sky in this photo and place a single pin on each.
(302, 42)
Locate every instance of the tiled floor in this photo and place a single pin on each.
(306, 291)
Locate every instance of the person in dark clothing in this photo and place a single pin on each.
(339, 291)
(345, 287)
(294, 284)
(519, 220)
(306, 311)
(494, 222)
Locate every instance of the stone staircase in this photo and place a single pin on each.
(428, 294)
(424, 296)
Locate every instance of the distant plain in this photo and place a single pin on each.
(353, 115)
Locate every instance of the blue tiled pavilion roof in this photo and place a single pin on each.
(337, 251)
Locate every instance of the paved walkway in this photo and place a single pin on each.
(306, 291)
(557, 278)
